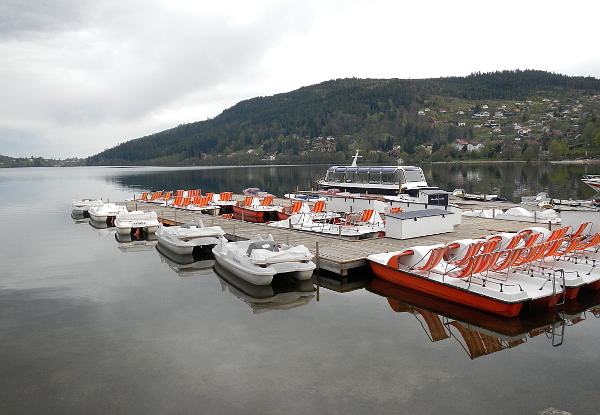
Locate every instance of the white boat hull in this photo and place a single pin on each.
(183, 239)
(136, 219)
(233, 257)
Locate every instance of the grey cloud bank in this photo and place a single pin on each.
(80, 76)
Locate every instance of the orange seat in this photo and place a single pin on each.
(225, 196)
(318, 207)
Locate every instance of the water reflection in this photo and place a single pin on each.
(192, 265)
(136, 243)
(480, 333)
(509, 180)
(283, 293)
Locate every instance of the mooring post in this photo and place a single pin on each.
(317, 259)
(549, 225)
(234, 240)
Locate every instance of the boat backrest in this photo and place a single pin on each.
(557, 234)
(193, 193)
(225, 196)
(267, 201)
(201, 201)
(491, 245)
(367, 215)
(179, 193)
(433, 259)
(471, 250)
(512, 255)
(247, 201)
(580, 230)
(295, 208)
(268, 245)
(318, 207)
(589, 242)
(395, 210)
(210, 195)
(144, 196)
(156, 195)
(514, 241)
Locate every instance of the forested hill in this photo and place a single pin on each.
(384, 118)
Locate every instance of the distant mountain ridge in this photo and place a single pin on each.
(374, 115)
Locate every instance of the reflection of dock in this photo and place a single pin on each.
(481, 333)
(343, 284)
(334, 254)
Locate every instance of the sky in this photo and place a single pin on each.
(80, 76)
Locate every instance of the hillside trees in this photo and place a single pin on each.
(369, 114)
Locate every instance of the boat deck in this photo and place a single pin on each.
(331, 253)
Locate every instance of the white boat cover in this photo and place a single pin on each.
(194, 232)
(293, 254)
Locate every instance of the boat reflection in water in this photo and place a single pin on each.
(103, 228)
(199, 263)
(135, 242)
(481, 333)
(283, 293)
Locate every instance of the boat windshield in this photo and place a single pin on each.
(386, 175)
(413, 176)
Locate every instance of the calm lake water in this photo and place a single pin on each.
(91, 325)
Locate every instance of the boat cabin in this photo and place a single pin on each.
(381, 179)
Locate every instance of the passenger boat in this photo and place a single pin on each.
(592, 180)
(80, 208)
(258, 260)
(185, 238)
(139, 220)
(381, 180)
(106, 212)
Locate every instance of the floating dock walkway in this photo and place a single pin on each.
(333, 254)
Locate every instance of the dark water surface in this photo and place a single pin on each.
(89, 325)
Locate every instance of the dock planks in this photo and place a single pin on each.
(334, 254)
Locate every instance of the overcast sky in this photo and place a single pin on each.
(80, 76)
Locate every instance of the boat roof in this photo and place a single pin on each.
(372, 169)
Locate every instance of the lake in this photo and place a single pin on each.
(89, 324)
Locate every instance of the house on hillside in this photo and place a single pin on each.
(325, 147)
(460, 144)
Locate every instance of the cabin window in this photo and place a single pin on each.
(388, 178)
(413, 176)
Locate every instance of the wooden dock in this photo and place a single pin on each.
(331, 253)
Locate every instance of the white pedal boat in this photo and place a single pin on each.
(183, 239)
(106, 212)
(81, 207)
(258, 260)
(137, 219)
